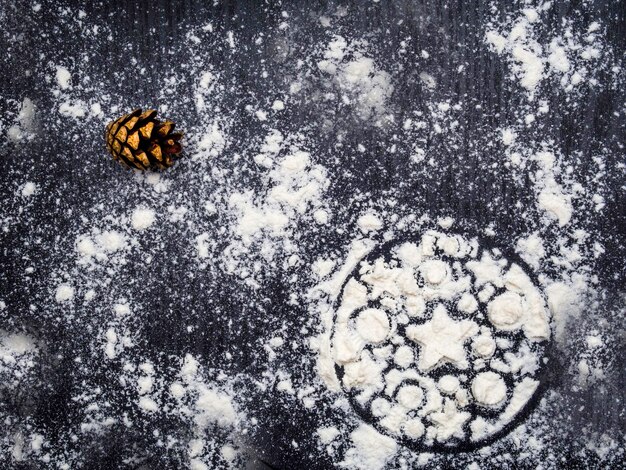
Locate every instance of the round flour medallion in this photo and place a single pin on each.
(439, 342)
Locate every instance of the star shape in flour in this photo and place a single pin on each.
(449, 422)
(441, 339)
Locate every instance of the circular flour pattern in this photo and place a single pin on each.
(373, 325)
(489, 389)
(439, 342)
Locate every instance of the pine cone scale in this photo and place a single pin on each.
(133, 140)
(146, 131)
(143, 158)
(121, 134)
(155, 151)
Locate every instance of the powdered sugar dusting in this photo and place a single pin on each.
(393, 235)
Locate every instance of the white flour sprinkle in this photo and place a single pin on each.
(142, 218)
(358, 78)
(568, 55)
(24, 127)
(29, 189)
(64, 292)
(63, 77)
(306, 267)
(371, 450)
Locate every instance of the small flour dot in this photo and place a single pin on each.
(63, 77)
(278, 105)
(373, 325)
(488, 388)
(321, 216)
(508, 137)
(142, 218)
(148, 404)
(29, 189)
(369, 223)
(64, 293)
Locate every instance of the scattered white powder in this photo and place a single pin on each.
(177, 390)
(96, 110)
(531, 66)
(16, 344)
(254, 219)
(327, 435)
(371, 450)
(75, 109)
(369, 222)
(428, 80)
(358, 78)
(321, 216)
(148, 404)
(531, 249)
(36, 442)
(63, 77)
(594, 341)
(64, 292)
(121, 309)
(111, 341)
(29, 189)
(144, 385)
(508, 136)
(278, 105)
(202, 245)
(276, 342)
(142, 218)
(246, 209)
(24, 127)
(211, 143)
(111, 240)
(214, 407)
(17, 352)
(229, 453)
(532, 61)
(295, 189)
(196, 464)
(564, 302)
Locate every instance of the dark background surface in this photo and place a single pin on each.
(148, 37)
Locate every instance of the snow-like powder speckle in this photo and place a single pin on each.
(394, 238)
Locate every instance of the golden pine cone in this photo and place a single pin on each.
(139, 140)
